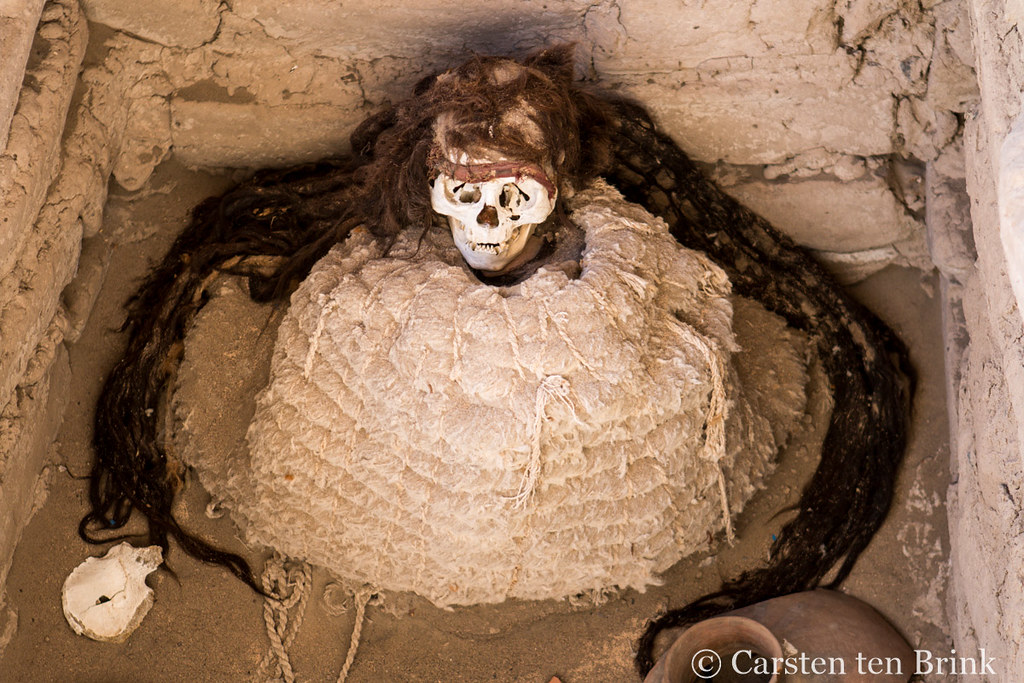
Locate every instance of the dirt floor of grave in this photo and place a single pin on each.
(207, 626)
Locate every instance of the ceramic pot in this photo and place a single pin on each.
(723, 649)
(817, 636)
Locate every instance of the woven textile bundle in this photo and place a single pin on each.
(583, 429)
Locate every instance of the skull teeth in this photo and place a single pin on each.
(495, 248)
(488, 247)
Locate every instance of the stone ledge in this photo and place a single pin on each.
(218, 134)
(178, 23)
(30, 293)
(18, 21)
(36, 283)
(31, 159)
(772, 112)
(984, 499)
(28, 426)
(831, 215)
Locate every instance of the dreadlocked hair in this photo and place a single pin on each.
(275, 227)
(530, 112)
(264, 230)
(868, 369)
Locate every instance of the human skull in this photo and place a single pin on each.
(492, 216)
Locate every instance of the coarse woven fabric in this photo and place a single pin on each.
(423, 431)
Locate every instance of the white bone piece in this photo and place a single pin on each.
(106, 598)
(492, 221)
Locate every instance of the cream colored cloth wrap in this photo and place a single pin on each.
(423, 431)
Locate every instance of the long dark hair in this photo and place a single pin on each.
(868, 369)
(273, 228)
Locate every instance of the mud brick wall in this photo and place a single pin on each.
(855, 125)
(40, 240)
(985, 361)
(822, 114)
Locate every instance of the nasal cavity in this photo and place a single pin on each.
(488, 216)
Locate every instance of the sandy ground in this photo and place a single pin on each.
(208, 626)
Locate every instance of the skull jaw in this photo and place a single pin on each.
(495, 258)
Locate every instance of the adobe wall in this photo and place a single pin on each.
(985, 356)
(834, 119)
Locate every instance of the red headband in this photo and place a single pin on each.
(482, 173)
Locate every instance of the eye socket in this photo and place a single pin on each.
(466, 193)
(512, 196)
(508, 195)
